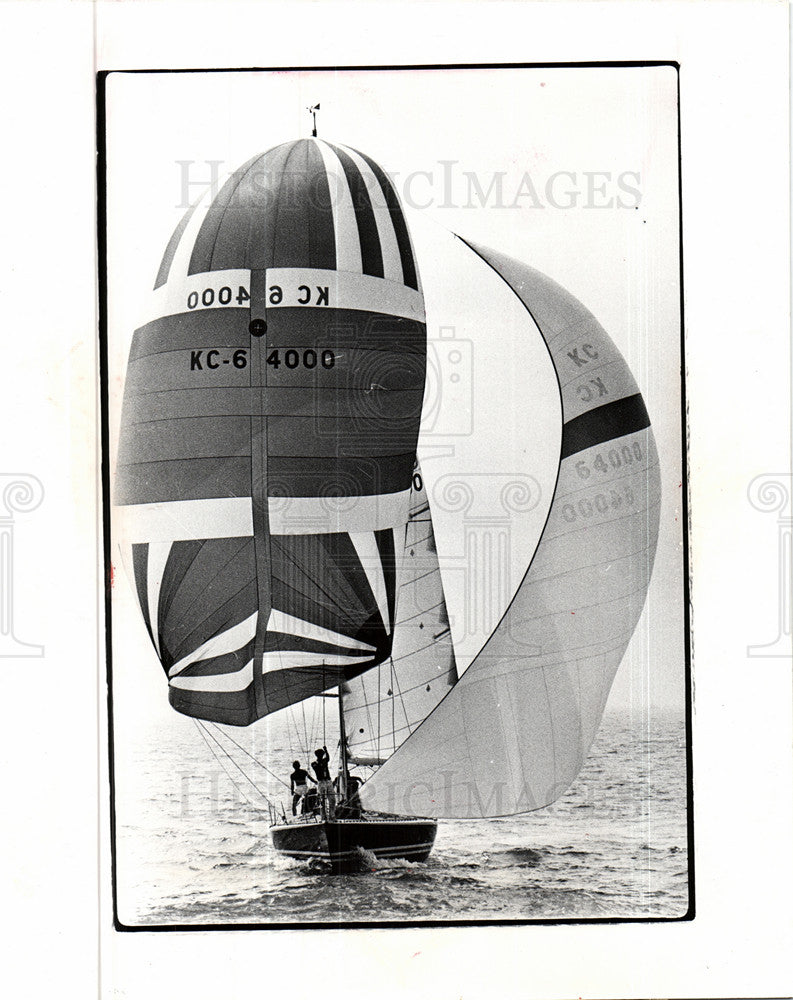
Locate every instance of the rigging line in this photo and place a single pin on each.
(310, 726)
(379, 703)
(293, 741)
(234, 762)
(365, 705)
(305, 724)
(318, 708)
(231, 759)
(230, 776)
(305, 747)
(401, 700)
(249, 754)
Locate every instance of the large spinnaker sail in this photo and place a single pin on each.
(383, 706)
(512, 735)
(268, 434)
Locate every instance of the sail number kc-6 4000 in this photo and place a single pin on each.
(301, 295)
(213, 359)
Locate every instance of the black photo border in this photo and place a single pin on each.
(101, 119)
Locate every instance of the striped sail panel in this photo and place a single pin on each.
(304, 204)
(175, 261)
(268, 434)
(383, 706)
(389, 248)
(512, 735)
(323, 582)
(385, 195)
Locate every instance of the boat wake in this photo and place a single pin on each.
(368, 861)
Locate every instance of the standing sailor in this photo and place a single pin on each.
(298, 780)
(324, 784)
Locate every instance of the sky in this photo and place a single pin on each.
(572, 171)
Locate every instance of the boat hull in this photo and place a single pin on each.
(340, 840)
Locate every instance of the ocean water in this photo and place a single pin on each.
(192, 849)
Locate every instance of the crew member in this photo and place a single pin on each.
(298, 780)
(324, 784)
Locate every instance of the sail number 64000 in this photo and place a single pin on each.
(614, 458)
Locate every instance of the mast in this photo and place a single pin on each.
(342, 748)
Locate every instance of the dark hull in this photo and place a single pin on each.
(338, 840)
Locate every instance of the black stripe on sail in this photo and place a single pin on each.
(276, 211)
(299, 199)
(345, 558)
(186, 438)
(227, 663)
(204, 247)
(221, 615)
(185, 331)
(339, 477)
(140, 562)
(221, 566)
(180, 558)
(232, 708)
(288, 687)
(184, 479)
(321, 401)
(173, 243)
(371, 253)
(604, 423)
(398, 221)
(319, 579)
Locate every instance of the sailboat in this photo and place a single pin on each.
(378, 709)
(279, 531)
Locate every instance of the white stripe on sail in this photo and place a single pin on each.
(343, 290)
(236, 680)
(345, 227)
(155, 568)
(180, 520)
(281, 622)
(184, 249)
(289, 659)
(230, 641)
(392, 261)
(221, 289)
(369, 554)
(316, 516)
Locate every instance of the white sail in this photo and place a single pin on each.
(383, 706)
(512, 735)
